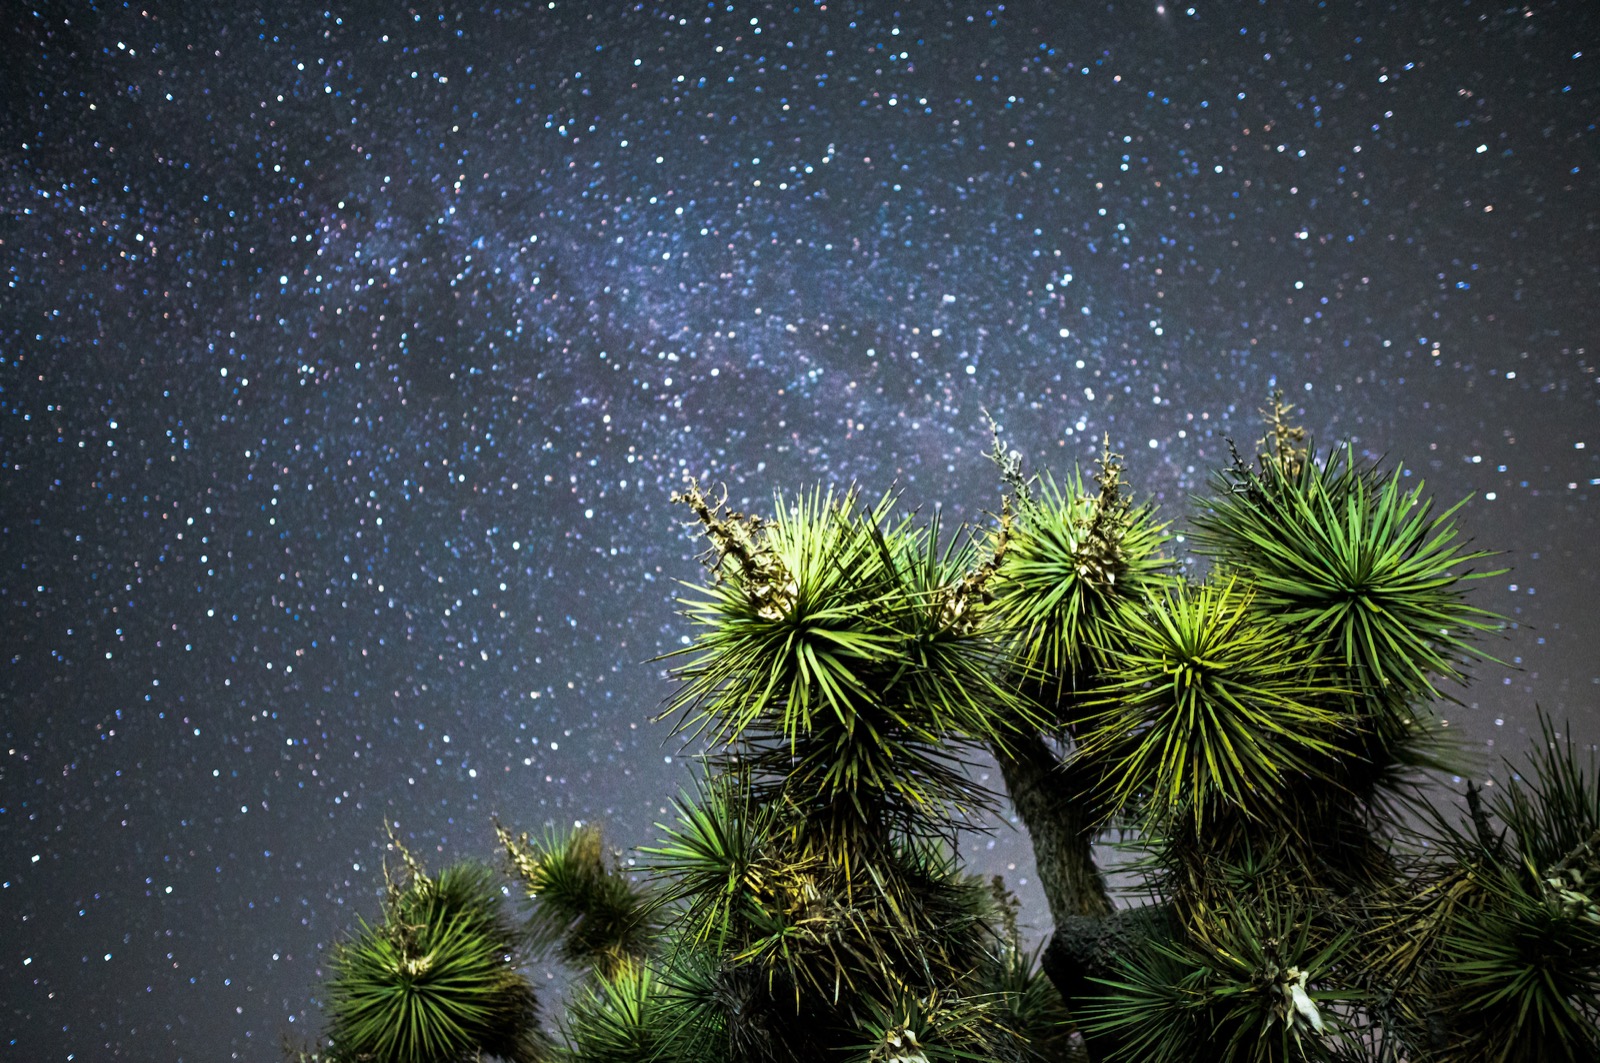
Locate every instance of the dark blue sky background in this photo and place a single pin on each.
(349, 354)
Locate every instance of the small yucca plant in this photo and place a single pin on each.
(437, 980)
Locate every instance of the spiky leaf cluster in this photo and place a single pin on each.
(1553, 809)
(581, 905)
(839, 657)
(1075, 561)
(1523, 969)
(1244, 981)
(615, 1019)
(770, 937)
(1494, 953)
(1360, 566)
(794, 971)
(1201, 705)
(436, 981)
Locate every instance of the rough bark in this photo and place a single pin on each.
(1084, 948)
(1049, 797)
(1061, 824)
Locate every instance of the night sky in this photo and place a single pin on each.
(349, 355)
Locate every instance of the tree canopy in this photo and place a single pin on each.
(1256, 731)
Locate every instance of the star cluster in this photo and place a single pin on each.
(350, 354)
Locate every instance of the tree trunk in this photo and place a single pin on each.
(1049, 796)
(1084, 948)
(1061, 824)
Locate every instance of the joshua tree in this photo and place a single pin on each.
(1258, 733)
(1259, 740)
(808, 896)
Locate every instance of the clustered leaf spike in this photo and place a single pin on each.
(1074, 562)
(437, 980)
(581, 905)
(1201, 704)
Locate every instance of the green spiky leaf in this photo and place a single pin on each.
(1201, 703)
(1359, 565)
(1074, 561)
(436, 981)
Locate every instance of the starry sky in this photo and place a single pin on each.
(350, 353)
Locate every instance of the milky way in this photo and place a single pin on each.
(349, 357)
